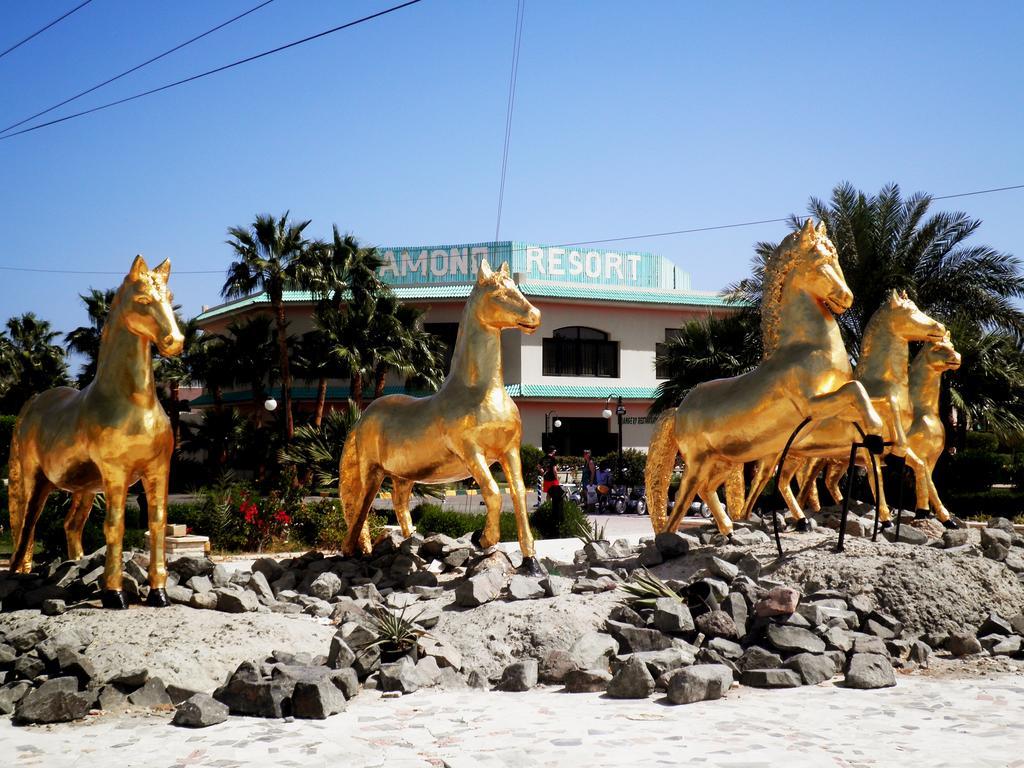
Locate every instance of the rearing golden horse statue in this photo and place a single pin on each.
(103, 437)
(805, 372)
(456, 433)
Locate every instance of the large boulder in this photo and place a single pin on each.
(869, 670)
(200, 711)
(632, 681)
(701, 682)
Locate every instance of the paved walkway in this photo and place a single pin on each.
(921, 722)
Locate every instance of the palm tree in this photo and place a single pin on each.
(272, 256)
(705, 349)
(250, 352)
(402, 346)
(888, 242)
(315, 452)
(209, 363)
(30, 361)
(315, 360)
(85, 340)
(176, 371)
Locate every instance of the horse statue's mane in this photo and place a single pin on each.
(794, 248)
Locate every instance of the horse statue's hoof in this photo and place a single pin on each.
(950, 524)
(158, 598)
(113, 599)
(922, 514)
(802, 526)
(886, 525)
(532, 567)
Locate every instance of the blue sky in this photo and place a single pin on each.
(630, 118)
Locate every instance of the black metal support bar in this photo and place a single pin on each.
(778, 490)
(846, 497)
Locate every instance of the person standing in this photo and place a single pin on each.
(553, 489)
(588, 479)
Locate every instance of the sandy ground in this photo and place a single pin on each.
(921, 723)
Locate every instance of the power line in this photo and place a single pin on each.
(512, 78)
(40, 31)
(138, 66)
(215, 70)
(557, 245)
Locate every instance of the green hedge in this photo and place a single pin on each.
(550, 527)
(997, 502)
(6, 431)
(431, 518)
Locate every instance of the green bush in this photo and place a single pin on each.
(530, 456)
(549, 527)
(997, 502)
(321, 525)
(6, 432)
(634, 461)
(969, 471)
(431, 518)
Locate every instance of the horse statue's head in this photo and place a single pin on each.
(904, 320)
(941, 355)
(805, 261)
(145, 306)
(498, 302)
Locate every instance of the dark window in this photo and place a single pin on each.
(579, 351)
(446, 334)
(661, 371)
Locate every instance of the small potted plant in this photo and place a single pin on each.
(396, 635)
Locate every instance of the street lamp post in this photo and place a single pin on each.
(548, 424)
(620, 411)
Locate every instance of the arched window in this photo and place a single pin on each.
(579, 351)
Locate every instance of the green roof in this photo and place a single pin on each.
(534, 288)
(580, 391)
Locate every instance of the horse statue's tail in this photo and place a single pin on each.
(351, 490)
(661, 458)
(735, 492)
(16, 500)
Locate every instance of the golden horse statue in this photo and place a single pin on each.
(927, 435)
(805, 372)
(454, 434)
(882, 369)
(104, 437)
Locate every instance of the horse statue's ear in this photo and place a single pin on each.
(894, 297)
(808, 228)
(821, 229)
(504, 268)
(138, 269)
(163, 270)
(485, 272)
(904, 296)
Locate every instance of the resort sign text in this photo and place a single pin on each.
(459, 263)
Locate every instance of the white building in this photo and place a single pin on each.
(603, 315)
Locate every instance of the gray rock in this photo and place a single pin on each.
(771, 678)
(650, 555)
(955, 538)
(794, 639)
(7, 655)
(659, 662)
(632, 681)
(671, 615)
(270, 569)
(399, 676)
(235, 601)
(525, 588)
(672, 545)
(345, 680)
(749, 566)
(812, 668)
(869, 670)
(749, 538)
(260, 586)
(963, 643)
(997, 536)
(717, 624)
(869, 644)
(479, 589)
(364, 592)
(556, 585)
(555, 665)
(919, 653)
(204, 600)
(994, 624)
(428, 671)
(28, 667)
(325, 586)
(756, 657)
(519, 676)
(587, 680)
(71, 663)
(727, 648)
(495, 560)
(340, 654)
(593, 650)
(53, 607)
(55, 701)
(200, 711)
(723, 569)
(247, 693)
(908, 535)
(200, 584)
(735, 605)
(151, 695)
(187, 567)
(839, 639)
(316, 700)
(11, 694)
(130, 679)
(1009, 646)
(701, 682)
(637, 639)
